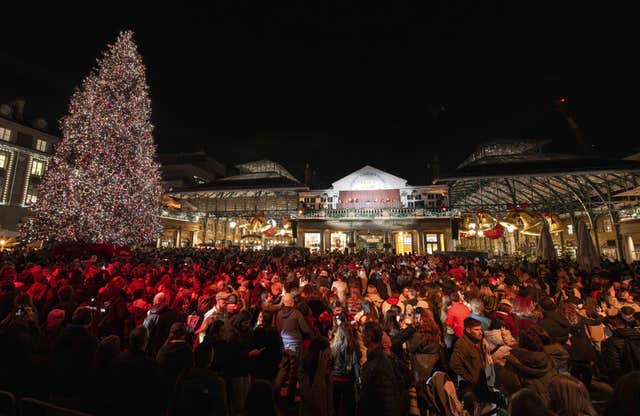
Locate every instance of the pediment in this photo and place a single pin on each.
(369, 178)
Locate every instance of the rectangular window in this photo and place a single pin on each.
(4, 160)
(5, 134)
(41, 145)
(32, 194)
(570, 229)
(37, 167)
(312, 241)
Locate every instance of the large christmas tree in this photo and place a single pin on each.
(103, 184)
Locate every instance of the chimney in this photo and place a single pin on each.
(39, 123)
(308, 179)
(18, 108)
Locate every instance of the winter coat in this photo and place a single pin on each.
(534, 370)
(174, 358)
(159, 323)
(425, 355)
(292, 326)
(380, 394)
(581, 348)
(317, 394)
(266, 364)
(469, 359)
(556, 326)
(613, 352)
(456, 315)
(345, 362)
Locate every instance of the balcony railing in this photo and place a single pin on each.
(380, 213)
(180, 216)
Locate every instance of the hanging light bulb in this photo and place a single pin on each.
(480, 233)
(473, 225)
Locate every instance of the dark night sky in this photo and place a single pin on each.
(343, 87)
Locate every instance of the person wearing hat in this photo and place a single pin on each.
(503, 311)
(218, 311)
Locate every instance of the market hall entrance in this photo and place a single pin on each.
(370, 240)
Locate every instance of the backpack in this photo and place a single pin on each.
(631, 353)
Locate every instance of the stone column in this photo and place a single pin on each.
(178, 236)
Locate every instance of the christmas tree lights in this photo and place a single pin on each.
(103, 184)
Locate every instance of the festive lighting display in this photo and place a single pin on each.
(103, 184)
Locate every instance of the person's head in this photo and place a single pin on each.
(372, 335)
(505, 306)
(626, 296)
(55, 319)
(547, 304)
(391, 320)
(139, 338)
(614, 322)
(82, 316)
(455, 297)
(287, 300)
(203, 355)
(625, 400)
(477, 306)
(65, 293)
(108, 349)
(568, 396)
(178, 332)
(526, 402)
(159, 300)
(342, 338)
(265, 319)
(542, 334)
(530, 340)
(473, 329)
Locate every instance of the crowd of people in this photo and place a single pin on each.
(286, 331)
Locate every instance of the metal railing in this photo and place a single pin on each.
(380, 213)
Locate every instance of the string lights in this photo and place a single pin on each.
(103, 185)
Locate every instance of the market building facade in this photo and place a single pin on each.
(263, 205)
(373, 209)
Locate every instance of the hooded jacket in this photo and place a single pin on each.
(534, 370)
(292, 326)
(556, 326)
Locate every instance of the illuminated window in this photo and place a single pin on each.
(570, 229)
(606, 226)
(5, 134)
(37, 168)
(32, 194)
(41, 145)
(4, 160)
